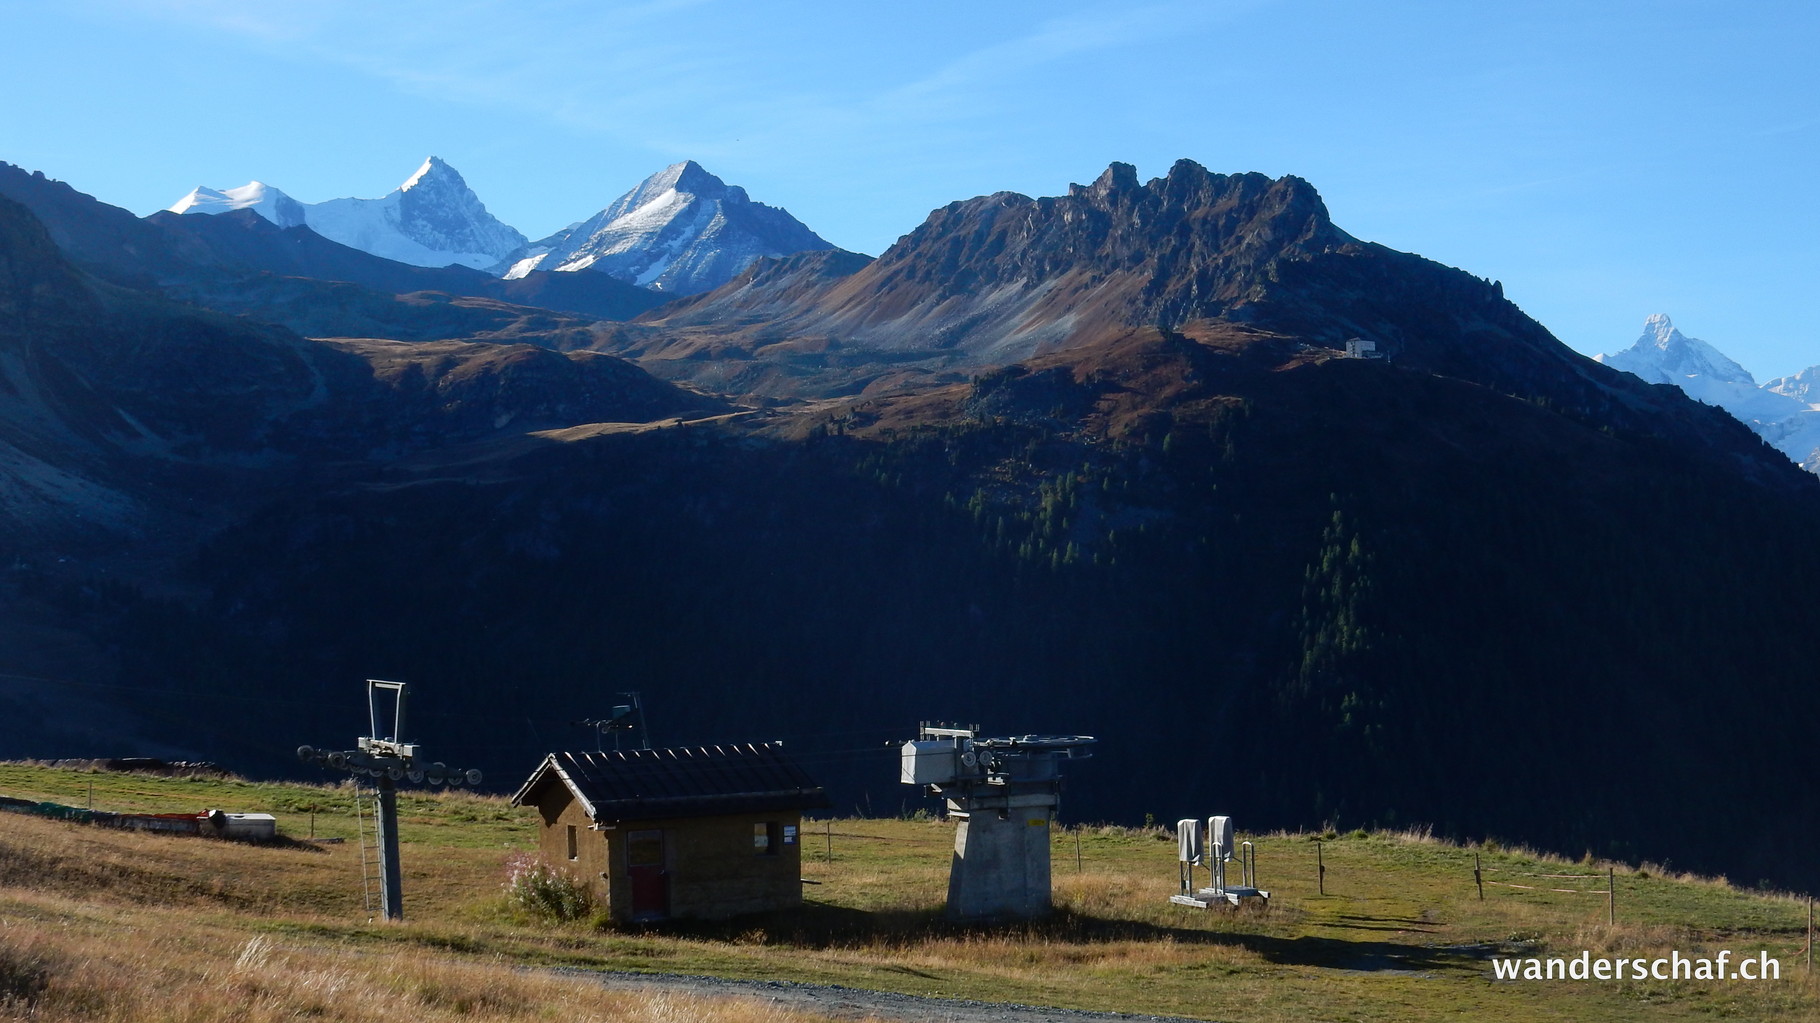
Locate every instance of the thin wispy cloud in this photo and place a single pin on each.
(963, 101)
(632, 72)
(1053, 40)
(577, 63)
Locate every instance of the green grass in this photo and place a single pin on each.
(449, 817)
(1401, 933)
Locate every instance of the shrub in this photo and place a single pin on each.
(538, 888)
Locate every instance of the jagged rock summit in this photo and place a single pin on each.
(681, 231)
(433, 219)
(1783, 412)
(1664, 355)
(1004, 276)
(1245, 260)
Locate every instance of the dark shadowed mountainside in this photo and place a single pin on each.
(1089, 464)
(108, 389)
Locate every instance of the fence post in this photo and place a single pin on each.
(830, 827)
(1320, 867)
(1611, 896)
(1077, 848)
(1478, 876)
(1810, 934)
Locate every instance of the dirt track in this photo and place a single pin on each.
(858, 1003)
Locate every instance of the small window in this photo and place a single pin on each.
(573, 841)
(645, 849)
(767, 836)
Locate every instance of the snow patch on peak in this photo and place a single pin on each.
(201, 195)
(1659, 326)
(687, 176)
(257, 196)
(433, 219)
(437, 176)
(433, 165)
(1664, 355)
(1803, 386)
(681, 230)
(1783, 412)
(525, 264)
(687, 179)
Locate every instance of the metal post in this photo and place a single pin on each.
(1320, 867)
(391, 889)
(1478, 876)
(1810, 934)
(644, 734)
(830, 823)
(387, 759)
(366, 870)
(1077, 849)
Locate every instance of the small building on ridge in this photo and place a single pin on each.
(701, 833)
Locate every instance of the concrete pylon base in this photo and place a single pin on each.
(1001, 857)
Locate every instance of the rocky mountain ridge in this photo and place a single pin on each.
(1003, 278)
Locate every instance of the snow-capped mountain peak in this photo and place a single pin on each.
(687, 177)
(434, 170)
(1664, 355)
(1803, 386)
(681, 230)
(433, 219)
(1780, 411)
(257, 196)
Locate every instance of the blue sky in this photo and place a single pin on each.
(1604, 160)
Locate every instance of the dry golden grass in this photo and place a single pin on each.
(59, 962)
(1399, 934)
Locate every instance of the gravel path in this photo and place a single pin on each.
(859, 1003)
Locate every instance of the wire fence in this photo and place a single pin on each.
(1610, 891)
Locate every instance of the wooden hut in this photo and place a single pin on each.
(692, 833)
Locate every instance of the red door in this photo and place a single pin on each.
(650, 880)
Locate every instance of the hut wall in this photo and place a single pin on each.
(565, 820)
(715, 867)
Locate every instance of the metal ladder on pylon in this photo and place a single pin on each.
(366, 827)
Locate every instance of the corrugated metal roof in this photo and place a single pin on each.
(681, 782)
